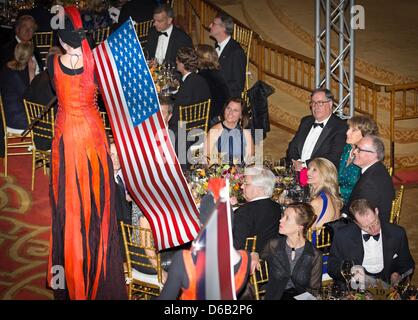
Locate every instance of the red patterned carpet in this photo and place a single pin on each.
(24, 232)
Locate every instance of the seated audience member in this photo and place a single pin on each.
(95, 15)
(380, 247)
(182, 281)
(375, 183)
(14, 80)
(40, 92)
(25, 27)
(322, 180)
(260, 215)
(321, 135)
(41, 12)
(232, 57)
(167, 107)
(164, 39)
(193, 89)
(228, 141)
(349, 173)
(294, 264)
(209, 69)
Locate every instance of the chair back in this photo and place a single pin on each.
(395, 213)
(259, 277)
(244, 37)
(142, 29)
(137, 241)
(195, 116)
(43, 41)
(390, 170)
(106, 122)
(320, 237)
(14, 144)
(101, 34)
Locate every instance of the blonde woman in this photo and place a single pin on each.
(14, 80)
(323, 184)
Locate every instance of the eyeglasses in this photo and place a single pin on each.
(318, 103)
(363, 150)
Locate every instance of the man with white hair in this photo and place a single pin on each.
(260, 215)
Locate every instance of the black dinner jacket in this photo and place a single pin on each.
(8, 50)
(193, 90)
(233, 67)
(347, 244)
(256, 218)
(376, 186)
(178, 39)
(330, 143)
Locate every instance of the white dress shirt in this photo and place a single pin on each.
(311, 140)
(222, 45)
(162, 45)
(373, 254)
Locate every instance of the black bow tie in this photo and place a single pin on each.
(163, 33)
(366, 237)
(316, 124)
(217, 46)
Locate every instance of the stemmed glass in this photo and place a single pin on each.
(346, 266)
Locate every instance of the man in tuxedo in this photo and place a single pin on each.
(380, 248)
(165, 39)
(375, 183)
(320, 135)
(24, 29)
(260, 215)
(232, 58)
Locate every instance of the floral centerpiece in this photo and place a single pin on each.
(198, 178)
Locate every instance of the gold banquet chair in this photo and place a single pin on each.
(14, 144)
(43, 128)
(100, 35)
(142, 29)
(395, 213)
(321, 239)
(106, 122)
(136, 241)
(244, 37)
(43, 41)
(259, 277)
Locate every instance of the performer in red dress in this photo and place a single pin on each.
(84, 238)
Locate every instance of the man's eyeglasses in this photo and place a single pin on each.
(318, 103)
(362, 150)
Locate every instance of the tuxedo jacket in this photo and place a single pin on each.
(376, 186)
(256, 218)
(8, 51)
(233, 63)
(347, 244)
(178, 39)
(329, 145)
(193, 90)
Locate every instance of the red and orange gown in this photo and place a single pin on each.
(84, 237)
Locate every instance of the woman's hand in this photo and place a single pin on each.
(255, 262)
(164, 276)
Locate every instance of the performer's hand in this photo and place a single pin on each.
(255, 262)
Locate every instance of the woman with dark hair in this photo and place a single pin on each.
(348, 173)
(229, 141)
(209, 69)
(294, 264)
(84, 235)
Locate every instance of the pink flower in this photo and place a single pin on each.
(303, 177)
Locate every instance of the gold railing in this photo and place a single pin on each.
(295, 69)
(403, 106)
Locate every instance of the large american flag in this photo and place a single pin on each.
(150, 167)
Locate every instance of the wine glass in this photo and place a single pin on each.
(346, 266)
